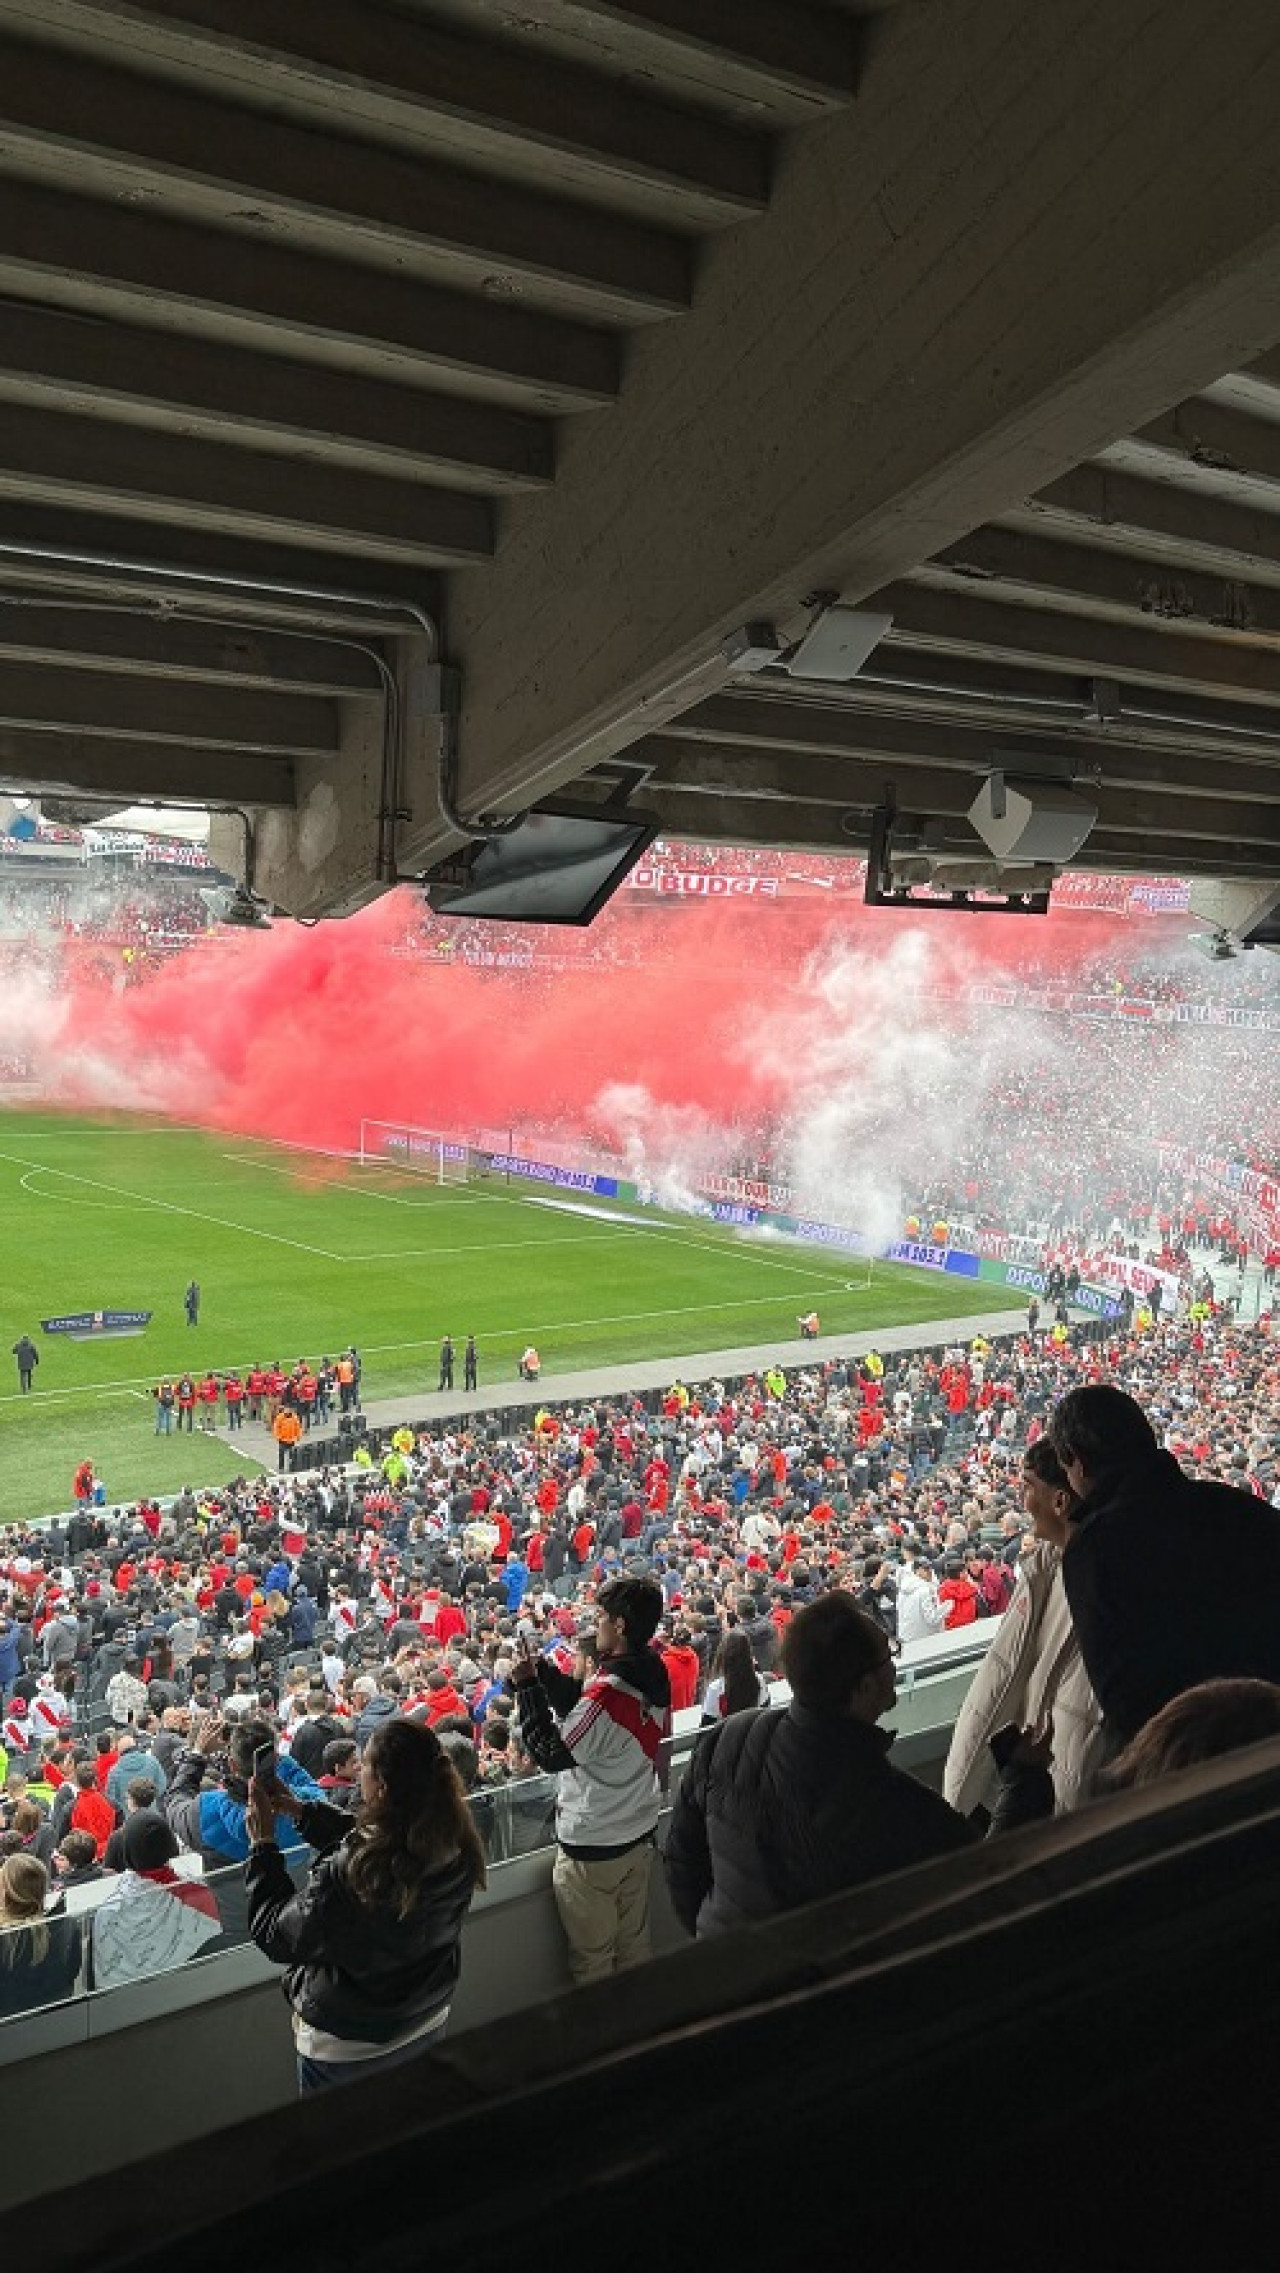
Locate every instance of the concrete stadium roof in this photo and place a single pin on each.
(555, 341)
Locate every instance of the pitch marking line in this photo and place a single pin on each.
(171, 1207)
(743, 1250)
(362, 1191)
(497, 1333)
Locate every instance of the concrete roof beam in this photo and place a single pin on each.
(947, 305)
(422, 86)
(206, 391)
(73, 253)
(85, 125)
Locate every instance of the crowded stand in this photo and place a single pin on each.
(137, 1646)
(208, 1699)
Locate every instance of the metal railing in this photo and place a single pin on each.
(516, 1822)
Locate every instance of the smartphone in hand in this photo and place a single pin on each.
(1004, 1744)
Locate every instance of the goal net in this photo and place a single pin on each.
(398, 1144)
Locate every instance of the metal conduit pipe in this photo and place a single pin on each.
(1058, 704)
(1062, 706)
(64, 556)
(272, 588)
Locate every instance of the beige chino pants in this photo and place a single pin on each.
(604, 1909)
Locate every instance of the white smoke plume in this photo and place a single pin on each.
(886, 1083)
(667, 1150)
(875, 1081)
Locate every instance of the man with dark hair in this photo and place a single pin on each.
(207, 1800)
(341, 1779)
(784, 1806)
(606, 1736)
(1153, 1568)
(76, 1865)
(314, 1732)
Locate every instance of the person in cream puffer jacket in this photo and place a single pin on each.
(1033, 1670)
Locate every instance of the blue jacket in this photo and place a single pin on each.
(515, 1582)
(213, 1823)
(278, 1579)
(485, 1699)
(130, 1764)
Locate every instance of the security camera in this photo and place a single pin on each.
(1219, 946)
(233, 904)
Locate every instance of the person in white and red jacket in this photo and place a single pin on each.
(607, 1739)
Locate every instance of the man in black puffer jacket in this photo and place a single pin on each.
(783, 1806)
(1170, 1582)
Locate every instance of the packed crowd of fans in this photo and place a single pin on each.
(116, 930)
(1071, 1126)
(145, 1654)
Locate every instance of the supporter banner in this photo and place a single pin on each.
(1223, 1014)
(750, 1190)
(1253, 1193)
(1140, 1278)
(997, 1246)
(1169, 895)
(89, 1325)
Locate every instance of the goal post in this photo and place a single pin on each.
(423, 1152)
(860, 1269)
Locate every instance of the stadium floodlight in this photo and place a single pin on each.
(234, 904)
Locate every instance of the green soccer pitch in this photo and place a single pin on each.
(298, 1255)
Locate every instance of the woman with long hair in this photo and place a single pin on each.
(372, 1942)
(39, 1957)
(738, 1685)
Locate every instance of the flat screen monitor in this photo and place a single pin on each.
(560, 865)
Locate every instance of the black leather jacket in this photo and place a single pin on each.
(354, 1970)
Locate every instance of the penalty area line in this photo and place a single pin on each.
(170, 1207)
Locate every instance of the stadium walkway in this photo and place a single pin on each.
(434, 1406)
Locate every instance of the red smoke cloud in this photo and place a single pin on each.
(299, 1033)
